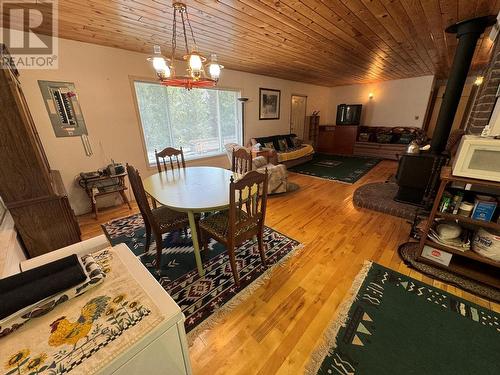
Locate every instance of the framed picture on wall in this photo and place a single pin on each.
(269, 104)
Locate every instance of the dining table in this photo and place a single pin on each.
(191, 190)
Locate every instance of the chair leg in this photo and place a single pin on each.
(159, 247)
(205, 240)
(148, 235)
(234, 266)
(262, 252)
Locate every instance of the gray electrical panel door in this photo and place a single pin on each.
(61, 101)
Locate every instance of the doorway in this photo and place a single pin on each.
(298, 115)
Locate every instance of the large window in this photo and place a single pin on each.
(201, 121)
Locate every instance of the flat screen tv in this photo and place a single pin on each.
(349, 114)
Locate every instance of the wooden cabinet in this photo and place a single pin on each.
(164, 349)
(325, 139)
(345, 137)
(337, 139)
(32, 192)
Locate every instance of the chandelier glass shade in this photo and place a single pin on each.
(195, 72)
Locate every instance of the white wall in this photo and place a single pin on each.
(400, 102)
(102, 79)
(317, 99)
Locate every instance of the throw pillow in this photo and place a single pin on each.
(296, 142)
(289, 141)
(269, 145)
(282, 145)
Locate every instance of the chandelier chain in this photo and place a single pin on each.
(191, 29)
(174, 37)
(185, 33)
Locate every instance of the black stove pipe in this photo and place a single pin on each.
(468, 32)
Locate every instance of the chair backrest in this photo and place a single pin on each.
(140, 194)
(242, 161)
(249, 194)
(170, 153)
(229, 147)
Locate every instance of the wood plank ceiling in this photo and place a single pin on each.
(325, 42)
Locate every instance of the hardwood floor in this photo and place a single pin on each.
(277, 328)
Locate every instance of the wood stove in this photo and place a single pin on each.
(418, 174)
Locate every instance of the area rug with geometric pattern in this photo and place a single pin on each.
(215, 293)
(342, 168)
(394, 324)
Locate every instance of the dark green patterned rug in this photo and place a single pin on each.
(348, 169)
(394, 324)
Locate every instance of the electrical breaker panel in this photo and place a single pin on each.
(64, 110)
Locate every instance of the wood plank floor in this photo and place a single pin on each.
(277, 328)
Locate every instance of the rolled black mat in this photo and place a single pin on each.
(26, 288)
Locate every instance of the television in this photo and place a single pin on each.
(349, 114)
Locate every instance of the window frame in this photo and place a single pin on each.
(149, 165)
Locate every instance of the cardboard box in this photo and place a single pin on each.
(484, 210)
(436, 255)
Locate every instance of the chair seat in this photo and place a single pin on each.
(168, 218)
(218, 224)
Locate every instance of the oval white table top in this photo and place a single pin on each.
(195, 189)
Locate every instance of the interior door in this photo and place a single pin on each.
(298, 115)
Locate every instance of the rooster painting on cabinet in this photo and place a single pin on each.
(101, 320)
(84, 333)
(65, 332)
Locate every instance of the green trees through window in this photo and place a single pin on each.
(201, 121)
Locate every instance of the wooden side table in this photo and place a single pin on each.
(104, 185)
(267, 153)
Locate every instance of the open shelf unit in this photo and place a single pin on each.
(312, 130)
(469, 221)
(467, 263)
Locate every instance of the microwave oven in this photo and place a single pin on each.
(478, 157)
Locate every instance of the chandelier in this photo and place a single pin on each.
(195, 73)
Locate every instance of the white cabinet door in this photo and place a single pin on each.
(162, 356)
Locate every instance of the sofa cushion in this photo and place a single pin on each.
(272, 139)
(282, 145)
(296, 141)
(268, 145)
(275, 139)
(395, 135)
(289, 140)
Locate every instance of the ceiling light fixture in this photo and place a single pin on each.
(195, 77)
(479, 80)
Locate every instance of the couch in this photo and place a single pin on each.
(289, 149)
(277, 174)
(385, 142)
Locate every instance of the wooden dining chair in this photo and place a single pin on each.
(242, 161)
(242, 221)
(173, 155)
(158, 220)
